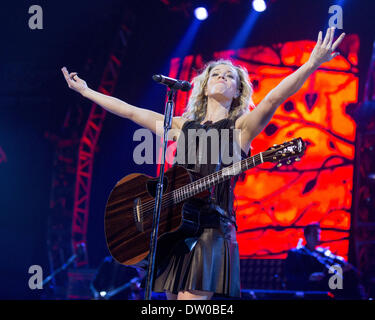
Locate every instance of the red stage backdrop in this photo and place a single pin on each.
(274, 204)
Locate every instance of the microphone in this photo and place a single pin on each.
(172, 83)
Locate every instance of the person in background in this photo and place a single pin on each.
(307, 268)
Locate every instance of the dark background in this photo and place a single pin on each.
(34, 97)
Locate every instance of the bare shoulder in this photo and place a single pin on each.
(178, 122)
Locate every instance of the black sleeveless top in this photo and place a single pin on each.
(208, 261)
(206, 148)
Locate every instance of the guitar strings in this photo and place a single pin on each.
(170, 197)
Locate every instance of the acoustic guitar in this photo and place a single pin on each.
(130, 206)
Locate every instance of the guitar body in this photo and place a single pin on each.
(129, 216)
(129, 212)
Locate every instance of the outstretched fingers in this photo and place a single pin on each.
(331, 35)
(326, 38)
(324, 49)
(338, 41)
(319, 42)
(66, 75)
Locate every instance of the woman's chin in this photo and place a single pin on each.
(219, 96)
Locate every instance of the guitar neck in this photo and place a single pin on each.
(215, 178)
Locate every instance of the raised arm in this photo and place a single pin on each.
(254, 122)
(144, 117)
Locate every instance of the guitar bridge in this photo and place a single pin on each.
(138, 216)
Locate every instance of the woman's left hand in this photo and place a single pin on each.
(324, 50)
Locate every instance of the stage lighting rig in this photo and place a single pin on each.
(259, 5)
(201, 13)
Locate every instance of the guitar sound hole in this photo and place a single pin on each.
(152, 186)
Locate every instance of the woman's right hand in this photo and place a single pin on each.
(73, 81)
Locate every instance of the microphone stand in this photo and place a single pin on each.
(62, 268)
(168, 114)
(80, 251)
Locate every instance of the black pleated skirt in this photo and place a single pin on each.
(207, 262)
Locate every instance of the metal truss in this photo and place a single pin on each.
(89, 140)
(72, 171)
(61, 198)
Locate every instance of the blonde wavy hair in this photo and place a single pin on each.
(197, 104)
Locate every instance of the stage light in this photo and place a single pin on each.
(244, 32)
(201, 13)
(103, 293)
(259, 5)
